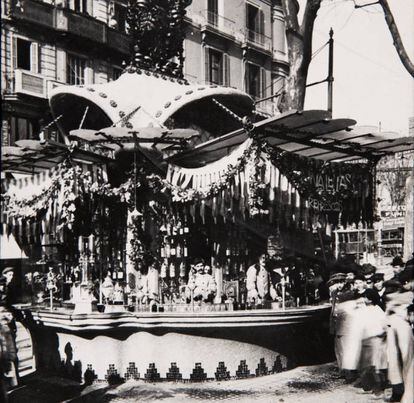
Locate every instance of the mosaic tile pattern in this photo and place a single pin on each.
(152, 374)
(132, 372)
(243, 370)
(173, 373)
(221, 372)
(277, 366)
(198, 373)
(262, 368)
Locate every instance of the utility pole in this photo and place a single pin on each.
(330, 71)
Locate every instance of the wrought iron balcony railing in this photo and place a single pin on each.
(258, 39)
(65, 20)
(217, 21)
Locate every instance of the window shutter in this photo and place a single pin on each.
(263, 82)
(89, 7)
(14, 52)
(261, 22)
(34, 57)
(207, 65)
(247, 16)
(61, 66)
(246, 77)
(226, 67)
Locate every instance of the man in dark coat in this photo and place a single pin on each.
(10, 289)
(378, 280)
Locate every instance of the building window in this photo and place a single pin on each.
(120, 15)
(212, 12)
(23, 54)
(26, 55)
(217, 67)
(80, 6)
(22, 129)
(254, 23)
(255, 81)
(75, 70)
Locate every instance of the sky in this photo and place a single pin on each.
(370, 83)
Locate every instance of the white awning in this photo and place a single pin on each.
(10, 249)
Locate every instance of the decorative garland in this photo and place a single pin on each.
(70, 184)
(308, 176)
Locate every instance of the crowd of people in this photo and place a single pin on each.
(372, 324)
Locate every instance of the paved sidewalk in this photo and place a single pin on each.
(314, 384)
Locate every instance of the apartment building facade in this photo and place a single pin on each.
(45, 43)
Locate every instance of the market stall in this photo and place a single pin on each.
(149, 226)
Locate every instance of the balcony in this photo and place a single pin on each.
(258, 40)
(217, 24)
(86, 27)
(36, 12)
(26, 82)
(29, 83)
(67, 22)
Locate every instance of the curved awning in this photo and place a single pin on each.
(144, 99)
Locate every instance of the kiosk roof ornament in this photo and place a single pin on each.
(157, 30)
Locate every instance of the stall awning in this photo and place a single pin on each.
(310, 134)
(34, 156)
(9, 248)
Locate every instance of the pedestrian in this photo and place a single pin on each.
(373, 361)
(10, 289)
(400, 346)
(355, 329)
(368, 270)
(378, 280)
(343, 305)
(8, 354)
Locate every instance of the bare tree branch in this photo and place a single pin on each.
(399, 46)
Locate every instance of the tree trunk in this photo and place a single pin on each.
(295, 84)
(299, 44)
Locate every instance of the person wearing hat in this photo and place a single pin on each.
(339, 315)
(257, 281)
(400, 345)
(373, 357)
(397, 261)
(378, 281)
(204, 284)
(354, 328)
(398, 269)
(368, 270)
(10, 289)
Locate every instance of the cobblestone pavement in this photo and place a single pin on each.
(313, 384)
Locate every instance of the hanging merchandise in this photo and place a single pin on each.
(172, 270)
(182, 269)
(164, 267)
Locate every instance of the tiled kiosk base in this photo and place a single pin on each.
(121, 347)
